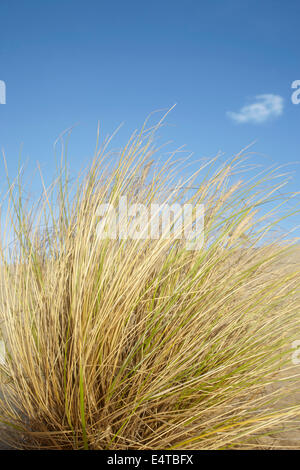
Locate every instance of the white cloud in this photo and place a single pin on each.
(264, 108)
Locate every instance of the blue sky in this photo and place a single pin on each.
(73, 63)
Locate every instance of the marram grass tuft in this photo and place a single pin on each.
(144, 344)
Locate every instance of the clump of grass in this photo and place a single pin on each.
(143, 344)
